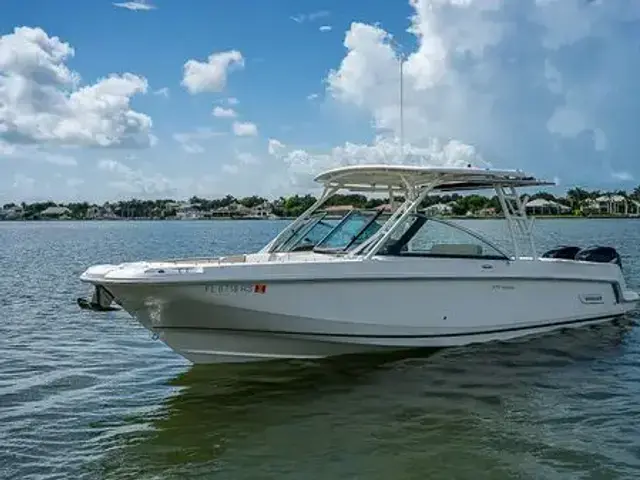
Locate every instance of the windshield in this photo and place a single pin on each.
(350, 232)
(297, 232)
(308, 236)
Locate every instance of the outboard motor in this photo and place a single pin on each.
(600, 254)
(564, 251)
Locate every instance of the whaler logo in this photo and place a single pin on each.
(591, 298)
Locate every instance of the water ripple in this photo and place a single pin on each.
(86, 395)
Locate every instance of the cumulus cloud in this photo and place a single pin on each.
(232, 101)
(135, 6)
(275, 147)
(42, 100)
(135, 181)
(325, 28)
(221, 112)
(191, 142)
(302, 166)
(543, 84)
(245, 129)
(211, 76)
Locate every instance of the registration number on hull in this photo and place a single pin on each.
(235, 288)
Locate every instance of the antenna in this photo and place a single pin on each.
(400, 57)
(401, 108)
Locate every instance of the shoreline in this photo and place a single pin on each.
(449, 217)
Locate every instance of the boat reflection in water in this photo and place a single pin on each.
(387, 416)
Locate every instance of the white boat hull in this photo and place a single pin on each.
(310, 317)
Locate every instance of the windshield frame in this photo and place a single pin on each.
(345, 248)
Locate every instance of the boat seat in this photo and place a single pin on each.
(233, 259)
(462, 249)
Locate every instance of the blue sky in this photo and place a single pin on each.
(103, 100)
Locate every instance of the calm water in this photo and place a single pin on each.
(88, 395)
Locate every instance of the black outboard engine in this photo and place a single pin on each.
(564, 251)
(600, 254)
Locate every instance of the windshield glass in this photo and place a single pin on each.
(308, 236)
(305, 226)
(421, 236)
(350, 231)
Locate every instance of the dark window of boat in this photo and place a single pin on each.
(399, 246)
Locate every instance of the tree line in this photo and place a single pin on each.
(294, 205)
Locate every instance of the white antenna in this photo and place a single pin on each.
(401, 108)
(401, 64)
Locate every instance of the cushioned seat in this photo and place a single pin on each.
(463, 249)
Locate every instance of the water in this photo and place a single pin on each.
(88, 395)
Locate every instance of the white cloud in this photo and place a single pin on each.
(275, 147)
(302, 166)
(232, 101)
(230, 168)
(325, 28)
(247, 158)
(622, 176)
(211, 76)
(312, 96)
(23, 182)
(162, 92)
(134, 181)
(221, 112)
(6, 149)
(245, 129)
(41, 100)
(541, 84)
(74, 182)
(59, 159)
(38, 154)
(136, 6)
(191, 142)
(310, 17)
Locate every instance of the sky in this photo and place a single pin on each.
(108, 100)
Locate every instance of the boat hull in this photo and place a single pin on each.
(249, 321)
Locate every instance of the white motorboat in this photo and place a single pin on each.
(371, 281)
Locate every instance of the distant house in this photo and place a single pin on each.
(439, 209)
(338, 210)
(590, 206)
(263, 210)
(487, 212)
(615, 205)
(93, 212)
(189, 211)
(385, 207)
(55, 212)
(541, 206)
(233, 210)
(12, 213)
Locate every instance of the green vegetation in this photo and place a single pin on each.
(576, 202)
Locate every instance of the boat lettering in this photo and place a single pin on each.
(502, 287)
(228, 288)
(234, 288)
